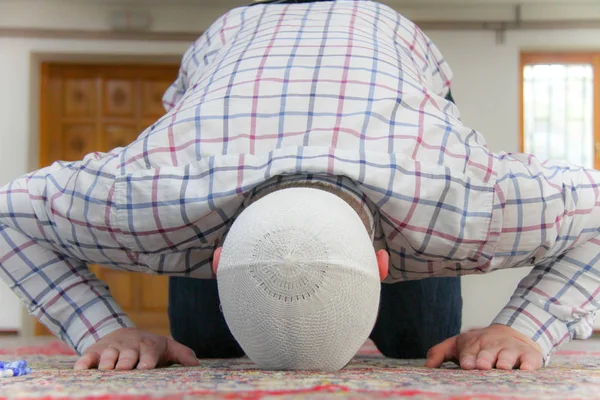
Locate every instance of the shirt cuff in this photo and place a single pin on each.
(547, 331)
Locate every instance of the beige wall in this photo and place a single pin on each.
(177, 16)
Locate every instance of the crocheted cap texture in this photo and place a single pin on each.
(298, 281)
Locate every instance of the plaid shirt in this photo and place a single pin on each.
(329, 89)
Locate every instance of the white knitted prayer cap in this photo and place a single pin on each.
(298, 281)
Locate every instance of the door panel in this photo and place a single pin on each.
(79, 97)
(119, 98)
(155, 294)
(119, 135)
(78, 140)
(97, 108)
(152, 93)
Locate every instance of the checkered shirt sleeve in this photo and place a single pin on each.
(48, 273)
(551, 212)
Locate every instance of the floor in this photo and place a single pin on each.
(10, 342)
(16, 342)
(573, 374)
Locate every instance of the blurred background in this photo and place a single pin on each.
(78, 76)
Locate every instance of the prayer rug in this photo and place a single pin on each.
(573, 374)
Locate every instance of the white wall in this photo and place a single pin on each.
(181, 16)
(485, 88)
(94, 15)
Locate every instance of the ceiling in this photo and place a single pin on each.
(430, 10)
(427, 3)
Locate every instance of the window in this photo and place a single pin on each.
(559, 107)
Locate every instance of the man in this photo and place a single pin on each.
(348, 95)
(413, 315)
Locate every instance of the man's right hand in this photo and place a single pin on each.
(130, 348)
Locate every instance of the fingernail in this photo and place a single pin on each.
(467, 362)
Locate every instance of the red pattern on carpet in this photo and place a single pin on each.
(574, 374)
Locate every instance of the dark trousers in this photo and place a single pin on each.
(413, 317)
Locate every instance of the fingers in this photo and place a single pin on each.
(87, 361)
(128, 359)
(486, 358)
(108, 359)
(104, 361)
(467, 355)
(501, 355)
(507, 359)
(531, 360)
(180, 354)
(127, 348)
(150, 353)
(439, 354)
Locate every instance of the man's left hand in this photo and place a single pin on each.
(497, 346)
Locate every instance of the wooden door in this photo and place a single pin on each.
(88, 108)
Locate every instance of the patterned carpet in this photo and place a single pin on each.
(574, 374)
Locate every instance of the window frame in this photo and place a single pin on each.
(592, 58)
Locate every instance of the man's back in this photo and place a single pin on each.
(350, 75)
(346, 88)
